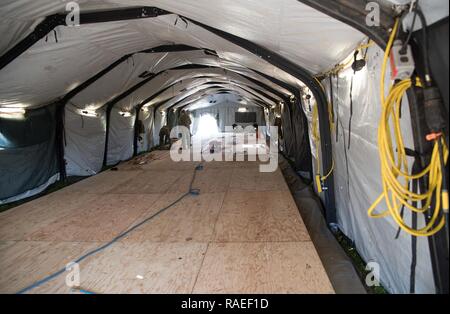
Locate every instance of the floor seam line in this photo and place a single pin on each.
(200, 268)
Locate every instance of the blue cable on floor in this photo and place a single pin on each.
(120, 236)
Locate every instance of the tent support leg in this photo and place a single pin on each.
(60, 141)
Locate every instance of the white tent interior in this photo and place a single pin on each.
(208, 74)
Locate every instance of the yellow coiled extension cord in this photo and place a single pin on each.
(394, 164)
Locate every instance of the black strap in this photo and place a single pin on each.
(331, 99)
(351, 114)
(337, 108)
(415, 189)
(412, 275)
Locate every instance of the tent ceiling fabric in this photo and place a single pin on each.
(175, 101)
(71, 55)
(180, 80)
(189, 85)
(296, 31)
(201, 94)
(218, 99)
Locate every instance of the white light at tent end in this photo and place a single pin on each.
(207, 126)
(242, 109)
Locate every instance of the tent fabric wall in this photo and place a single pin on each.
(121, 137)
(289, 141)
(147, 142)
(360, 186)
(302, 156)
(27, 170)
(226, 112)
(85, 142)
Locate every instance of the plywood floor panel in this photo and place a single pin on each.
(260, 217)
(98, 221)
(192, 220)
(25, 262)
(262, 268)
(207, 180)
(19, 222)
(148, 182)
(169, 165)
(242, 234)
(163, 267)
(103, 182)
(250, 179)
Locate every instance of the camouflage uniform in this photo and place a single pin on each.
(164, 136)
(278, 124)
(185, 120)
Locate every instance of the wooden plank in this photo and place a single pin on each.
(260, 216)
(154, 162)
(98, 221)
(148, 182)
(207, 180)
(251, 179)
(23, 263)
(262, 268)
(103, 182)
(191, 220)
(138, 268)
(19, 222)
(169, 165)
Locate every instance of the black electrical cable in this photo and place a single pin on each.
(412, 274)
(411, 30)
(337, 108)
(191, 191)
(351, 112)
(426, 60)
(331, 98)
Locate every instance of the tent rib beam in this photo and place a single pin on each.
(354, 13)
(55, 20)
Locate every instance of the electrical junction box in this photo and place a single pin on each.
(402, 61)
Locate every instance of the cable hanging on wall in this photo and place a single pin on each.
(396, 179)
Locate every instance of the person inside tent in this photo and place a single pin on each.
(185, 120)
(164, 136)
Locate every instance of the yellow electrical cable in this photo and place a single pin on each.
(330, 111)
(395, 175)
(316, 138)
(364, 46)
(342, 66)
